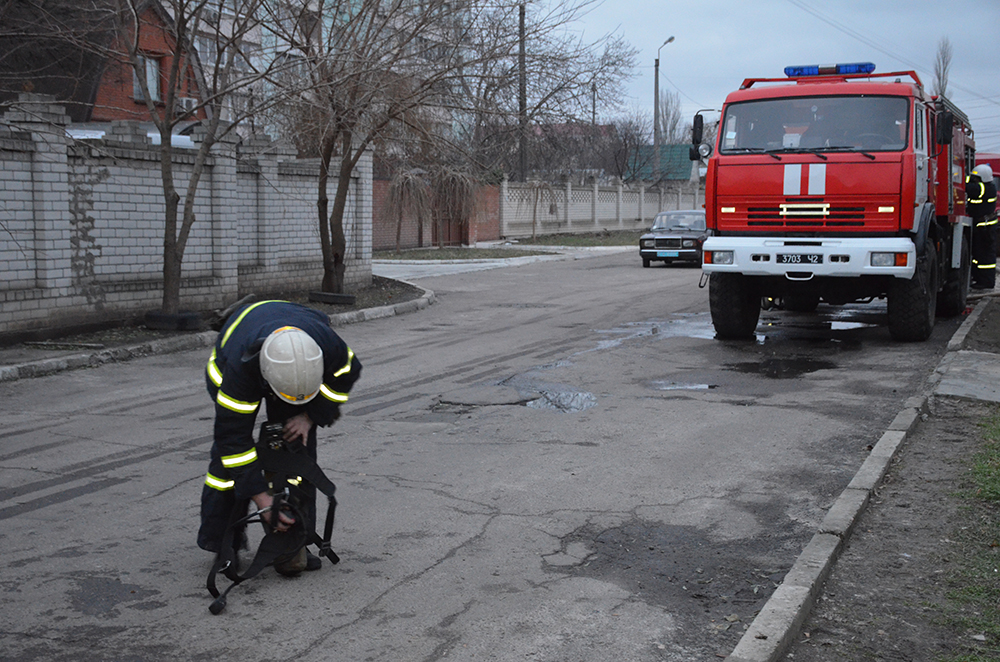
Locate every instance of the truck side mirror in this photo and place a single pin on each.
(945, 127)
(697, 130)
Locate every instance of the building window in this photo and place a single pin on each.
(151, 69)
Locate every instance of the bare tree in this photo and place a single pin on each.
(942, 64)
(621, 152)
(454, 192)
(403, 75)
(673, 129)
(62, 47)
(568, 80)
(174, 72)
(408, 195)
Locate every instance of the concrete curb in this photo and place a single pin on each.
(45, 367)
(772, 631)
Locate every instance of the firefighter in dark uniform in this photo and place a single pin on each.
(981, 205)
(288, 357)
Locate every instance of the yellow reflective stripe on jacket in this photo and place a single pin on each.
(347, 366)
(213, 370)
(239, 319)
(219, 484)
(330, 394)
(982, 192)
(240, 459)
(991, 221)
(238, 406)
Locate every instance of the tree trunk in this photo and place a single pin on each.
(171, 255)
(322, 207)
(333, 277)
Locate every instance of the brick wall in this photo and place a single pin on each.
(485, 226)
(81, 227)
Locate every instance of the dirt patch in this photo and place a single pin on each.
(887, 598)
(382, 292)
(985, 335)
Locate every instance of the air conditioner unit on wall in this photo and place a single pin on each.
(186, 105)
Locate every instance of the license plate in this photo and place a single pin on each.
(667, 253)
(800, 258)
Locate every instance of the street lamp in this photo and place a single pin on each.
(656, 109)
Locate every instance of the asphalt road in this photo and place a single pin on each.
(556, 461)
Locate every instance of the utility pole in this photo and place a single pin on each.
(522, 112)
(656, 111)
(593, 113)
(593, 127)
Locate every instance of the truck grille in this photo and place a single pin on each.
(802, 214)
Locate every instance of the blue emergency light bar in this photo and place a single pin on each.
(830, 69)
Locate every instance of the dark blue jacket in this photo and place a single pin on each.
(237, 387)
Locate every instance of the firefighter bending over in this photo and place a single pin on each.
(287, 356)
(981, 205)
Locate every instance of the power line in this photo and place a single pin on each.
(875, 45)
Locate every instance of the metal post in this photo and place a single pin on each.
(656, 111)
(656, 118)
(522, 102)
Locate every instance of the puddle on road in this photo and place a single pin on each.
(777, 368)
(848, 326)
(662, 385)
(840, 325)
(694, 325)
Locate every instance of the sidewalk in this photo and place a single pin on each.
(411, 269)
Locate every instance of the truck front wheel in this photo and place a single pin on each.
(735, 304)
(913, 303)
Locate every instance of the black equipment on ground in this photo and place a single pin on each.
(287, 469)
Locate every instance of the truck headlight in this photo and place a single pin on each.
(718, 257)
(889, 259)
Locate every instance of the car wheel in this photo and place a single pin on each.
(645, 262)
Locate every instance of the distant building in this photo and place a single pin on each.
(675, 164)
(92, 86)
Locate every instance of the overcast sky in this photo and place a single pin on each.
(718, 43)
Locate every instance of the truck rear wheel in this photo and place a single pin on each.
(913, 303)
(735, 304)
(955, 293)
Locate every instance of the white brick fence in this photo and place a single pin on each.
(527, 209)
(81, 223)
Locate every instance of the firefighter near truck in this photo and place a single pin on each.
(837, 185)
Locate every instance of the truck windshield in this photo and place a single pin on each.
(861, 123)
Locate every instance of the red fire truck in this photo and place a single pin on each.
(840, 185)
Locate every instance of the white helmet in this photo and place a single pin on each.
(984, 171)
(292, 363)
